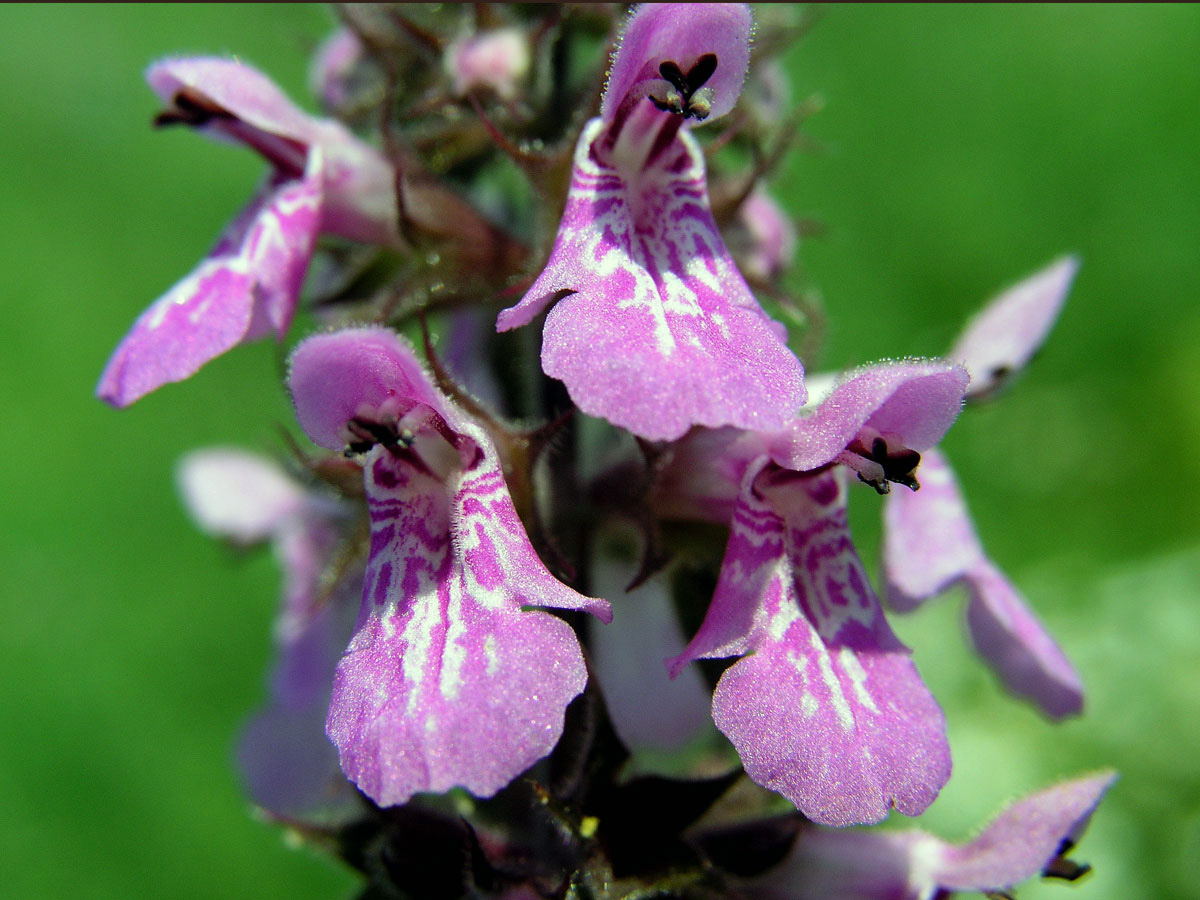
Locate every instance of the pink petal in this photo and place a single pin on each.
(659, 331)
(929, 541)
(648, 709)
(245, 288)
(910, 403)
(1017, 646)
(681, 33)
(235, 494)
(999, 341)
(447, 680)
(770, 237)
(354, 372)
(287, 762)
(240, 90)
(497, 60)
(1025, 837)
(930, 545)
(914, 865)
(332, 68)
(358, 182)
(701, 472)
(827, 709)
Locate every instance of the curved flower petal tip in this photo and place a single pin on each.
(239, 495)
(930, 545)
(232, 101)
(1032, 836)
(245, 288)
(654, 328)
(1029, 837)
(1010, 637)
(359, 372)
(828, 708)
(877, 421)
(210, 89)
(448, 680)
(1004, 336)
(681, 54)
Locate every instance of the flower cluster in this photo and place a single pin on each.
(487, 560)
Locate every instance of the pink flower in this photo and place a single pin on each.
(929, 541)
(449, 679)
(651, 325)
(825, 706)
(288, 765)
(322, 180)
(1030, 837)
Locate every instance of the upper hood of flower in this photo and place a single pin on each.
(670, 49)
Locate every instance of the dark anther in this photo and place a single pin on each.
(686, 97)
(1061, 867)
(1066, 869)
(192, 109)
(700, 72)
(999, 373)
(367, 434)
(899, 466)
(670, 71)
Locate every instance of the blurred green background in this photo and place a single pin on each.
(964, 148)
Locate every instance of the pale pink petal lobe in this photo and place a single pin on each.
(357, 371)
(246, 288)
(680, 33)
(1017, 646)
(1025, 837)
(999, 341)
(929, 541)
(929, 546)
(235, 494)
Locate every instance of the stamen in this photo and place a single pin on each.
(703, 70)
(367, 434)
(192, 109)
(687, 96)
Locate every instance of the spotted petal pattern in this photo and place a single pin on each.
(659, 331)
(827, 708)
